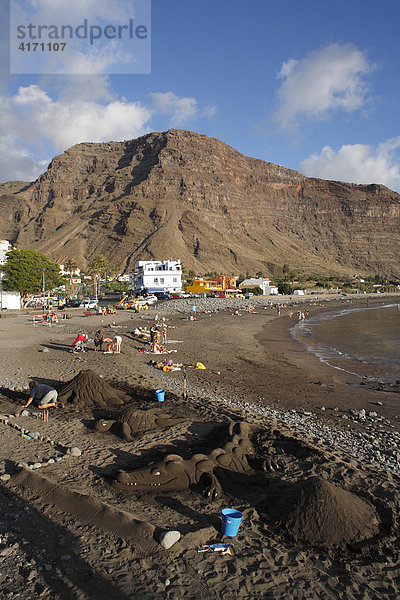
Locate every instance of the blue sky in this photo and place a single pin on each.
(312, 85)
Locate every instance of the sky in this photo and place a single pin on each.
(312, 85)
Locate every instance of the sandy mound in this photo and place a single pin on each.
(323, 514)
(88, 389)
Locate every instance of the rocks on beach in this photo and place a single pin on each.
(169, 538)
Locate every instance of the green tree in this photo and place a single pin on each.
(256, 291)
(285, 288)
(30, 272)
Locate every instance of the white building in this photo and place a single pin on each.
(156, 276)
(76, 272)
(10, 300)
(264, 284)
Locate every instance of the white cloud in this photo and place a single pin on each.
(64, 123)
(47, 11)
(31, 121)
(332, 78)
(90, 52)
(93, 61)
(209, 111)
(16, 163)
(181, 110)
(358, 163)
(36, 125)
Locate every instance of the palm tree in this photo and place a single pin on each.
(97, 267)
(70, 267)
(285, 271)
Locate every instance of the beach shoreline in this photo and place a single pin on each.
(255, 372)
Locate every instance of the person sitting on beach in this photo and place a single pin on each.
(98, 340)
(44, 394)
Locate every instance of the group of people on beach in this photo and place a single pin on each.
(113, 344)
(158, 337)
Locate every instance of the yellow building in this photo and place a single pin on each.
(222, 283)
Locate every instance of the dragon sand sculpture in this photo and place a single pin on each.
(174, 473)
(132, 420)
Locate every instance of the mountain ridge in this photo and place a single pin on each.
(180, 194)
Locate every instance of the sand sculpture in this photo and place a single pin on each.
(322, 514)
(88, 389)
(133, 420)
(174, 473)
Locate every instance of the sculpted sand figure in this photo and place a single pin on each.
(133, 420)
(89, 389)
(174, 473)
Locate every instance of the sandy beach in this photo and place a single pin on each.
(66, 530)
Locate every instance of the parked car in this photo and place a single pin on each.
(149, 300)
(89, 303)
(33, 304)
(176, 295)
(162, 295)
(72, 304)
(152, 299)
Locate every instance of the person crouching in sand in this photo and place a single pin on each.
(44, 394)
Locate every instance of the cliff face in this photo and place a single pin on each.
(182, 195)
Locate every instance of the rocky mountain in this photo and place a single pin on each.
(178, 194)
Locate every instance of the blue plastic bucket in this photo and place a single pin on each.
(231, 519)
(160, 395)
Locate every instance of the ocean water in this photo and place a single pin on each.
(361, 341)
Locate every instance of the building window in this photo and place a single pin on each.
(161, 279)
(155, 279)
(174, 279)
